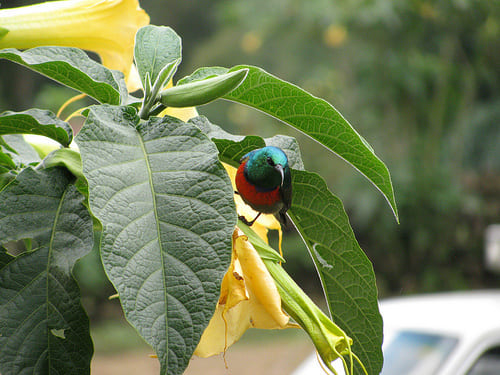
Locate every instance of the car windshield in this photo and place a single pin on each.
(413, 353)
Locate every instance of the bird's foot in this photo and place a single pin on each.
(245, 221)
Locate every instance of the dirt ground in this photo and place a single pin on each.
(270, 358)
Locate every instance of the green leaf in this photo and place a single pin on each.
(167, 212)
(65, 157)
(155, 48)
(72, 67)
(204, 91)
(43, 327)
(22, 152)
(345, 272)
(6, 162)
(216, 132)
(314, 117)
(165, 75)
(5, 257)
(36, 121)
(151, 93)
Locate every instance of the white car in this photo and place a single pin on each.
(437, 334)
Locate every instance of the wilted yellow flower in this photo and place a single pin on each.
(248, 298)
(106, 27)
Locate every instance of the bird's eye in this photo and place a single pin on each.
(270, 161)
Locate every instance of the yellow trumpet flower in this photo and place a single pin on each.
(248, 298)
(106, 27)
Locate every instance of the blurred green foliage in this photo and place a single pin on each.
(420, 80)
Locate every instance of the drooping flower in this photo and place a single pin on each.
(106, 27)
(248, 298)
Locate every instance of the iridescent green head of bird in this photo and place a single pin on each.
(267, 168)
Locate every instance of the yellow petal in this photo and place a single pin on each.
(259, 284)
(107, 27)
(233, 289)
(248, 298)
(232, 315)
(133, 80)
(183, 114)
(223, 331)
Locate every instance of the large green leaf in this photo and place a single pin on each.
(314, 117)
(72, 67)
(155, 48)
(21, 152)
(43, 327)
(6, 162)
(36, 121)
(167, 211)
(346, 273)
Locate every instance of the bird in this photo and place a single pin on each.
(264, 182)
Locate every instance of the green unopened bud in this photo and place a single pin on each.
(166, 74)
(202, 92)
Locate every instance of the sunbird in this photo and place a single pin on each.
(264, 182)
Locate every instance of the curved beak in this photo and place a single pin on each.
(279, 168)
